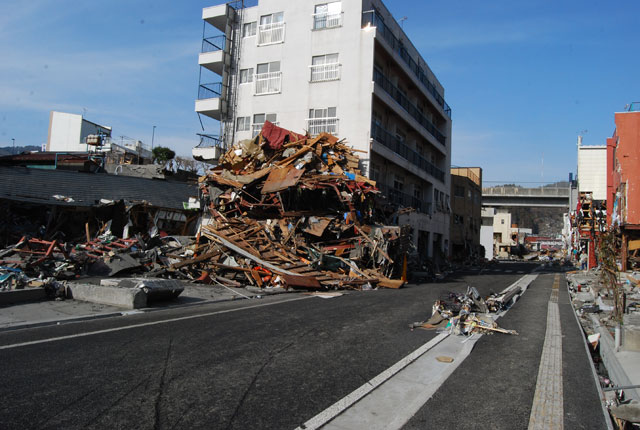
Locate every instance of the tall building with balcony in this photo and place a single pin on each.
(344, 67)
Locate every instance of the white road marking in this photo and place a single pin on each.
(109, 330)
(401, 390)
(547, 410)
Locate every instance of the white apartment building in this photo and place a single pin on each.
(344, 67)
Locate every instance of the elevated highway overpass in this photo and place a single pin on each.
(543, 196)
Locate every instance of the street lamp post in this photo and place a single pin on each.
(153, 133)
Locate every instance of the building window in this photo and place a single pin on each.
(327, 15)
(458, 191)
(258, 122)
(401, 135)
(469, 194)
(246, 75)
(501, 221)
(271, 29)
(374, 173)
(249, 29)
(268, 78)
(398, 182)
(322, 120)
(243, 123)
(325, 68)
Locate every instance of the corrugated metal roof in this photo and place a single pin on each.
(86, 189)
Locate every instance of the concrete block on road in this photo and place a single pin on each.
(129, 298)
(155, 289)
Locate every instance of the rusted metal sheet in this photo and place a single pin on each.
(281, 179)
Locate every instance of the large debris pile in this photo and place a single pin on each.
(281, 210)
(294, 211)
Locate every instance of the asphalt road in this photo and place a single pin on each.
(262, 364)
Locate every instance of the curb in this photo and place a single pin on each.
(596, 379)
(124, 312)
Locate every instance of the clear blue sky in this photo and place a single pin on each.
(523, 78)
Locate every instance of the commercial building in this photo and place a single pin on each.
(343, 67)
(466, 208)
(623, 182)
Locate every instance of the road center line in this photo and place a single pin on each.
(547, 410)
(344, 404)
(147, 324)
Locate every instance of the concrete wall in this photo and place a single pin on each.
(592, 171)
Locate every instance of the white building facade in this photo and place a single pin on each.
(344, 67)
(592, 170)
(68, 132)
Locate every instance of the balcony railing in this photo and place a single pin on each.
(210, 91)
(257, 128)
(212, 44)
(270, 33)
(402, 149)
(315, 126)
(268, 83)
(403, 101)
(327, 20)
(209, 141)
(403, 199)
(371, 18)
(325, 72)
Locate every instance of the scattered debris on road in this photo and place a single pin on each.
(465, 314)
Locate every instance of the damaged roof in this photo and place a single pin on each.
(86, 189)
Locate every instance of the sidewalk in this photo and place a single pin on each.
(46, 312)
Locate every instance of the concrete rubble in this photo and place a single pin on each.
(615, 347)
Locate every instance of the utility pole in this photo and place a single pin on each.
(153, 133)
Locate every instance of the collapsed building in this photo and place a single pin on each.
(281, 210)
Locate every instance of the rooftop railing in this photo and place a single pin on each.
(402, 149)
(403, 101)
(210, 91)
(372, 18)
(213, 44)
